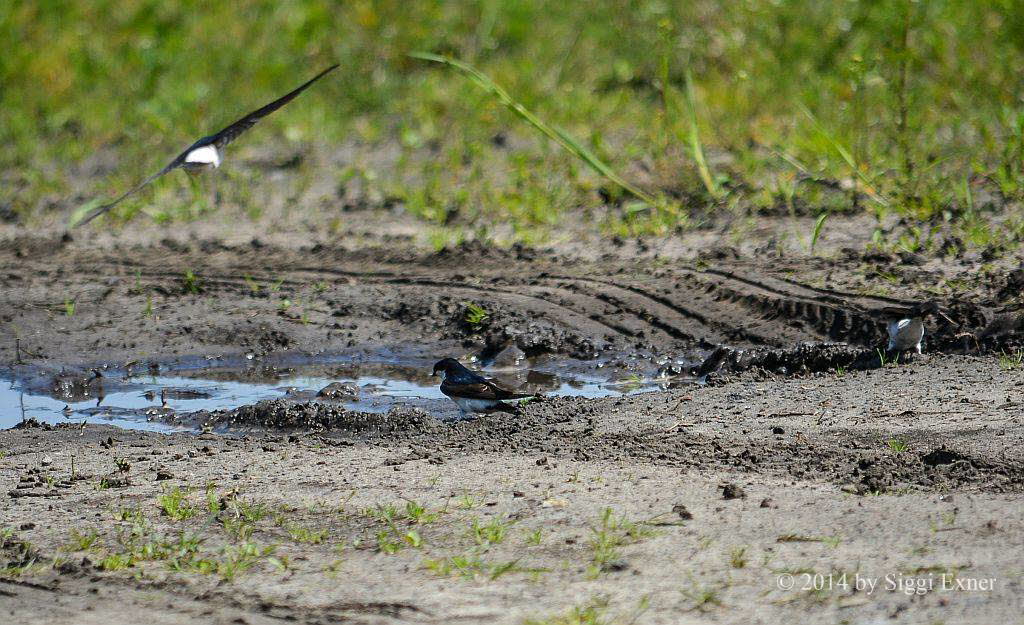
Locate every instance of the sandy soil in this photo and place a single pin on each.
(696, 504)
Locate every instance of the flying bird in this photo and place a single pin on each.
(473, 393)
(906, 328)
(205, 153)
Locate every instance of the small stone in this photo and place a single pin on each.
(615, 566)
(163, 474)
(767, 503)
(338, 390)
(27, 526)
(682, 511)
(778, 430)
(554, 502)
(732, 491)
(47, 461)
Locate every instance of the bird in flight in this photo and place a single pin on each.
(205, 152)
(473, 393)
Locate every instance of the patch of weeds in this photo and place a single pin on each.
(213, 502)
(491, 533)
(238, 559)
(133, 514)
(467, 502)
(69, 307)
(593, 612)
(382, 513)
(254, 287)
(419, 514)
(475, 314)
(611, 534)
(191, 283)
(702, 597)
(885, 361)
(388, 543)
(305, 535)
(1013, 361)
(534, 537)
(831, 541)
(897, 446)
(738, 558)
(82, 541)
(174, 504)
(464, 566)
(116, 562)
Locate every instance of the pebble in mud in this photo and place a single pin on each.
(732, 491)
(338, 390)
(682, 511)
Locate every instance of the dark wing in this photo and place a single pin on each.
(484, 389)
(102, 209)
(504, 393)
(469, 391)
(898, 312)
(230, 133)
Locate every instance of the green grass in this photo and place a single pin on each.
(571, 112)
(174, 503)
(897, 446)
(609, 535)
(475, 314)
(1012, 361)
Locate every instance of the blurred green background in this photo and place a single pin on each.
(795, 107)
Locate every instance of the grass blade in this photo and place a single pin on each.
(557, 135)
(695, 144)
(845, 154)
(817, 230)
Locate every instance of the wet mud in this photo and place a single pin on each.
(743, 403)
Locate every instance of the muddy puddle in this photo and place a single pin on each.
(163, 402)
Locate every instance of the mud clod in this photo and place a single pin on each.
(732, 491)
(338, 390)
(682, 511)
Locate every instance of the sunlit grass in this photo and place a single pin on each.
(894, 108)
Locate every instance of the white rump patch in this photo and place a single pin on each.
(206, 155)
(905, 335)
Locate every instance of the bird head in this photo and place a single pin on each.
(446, 366)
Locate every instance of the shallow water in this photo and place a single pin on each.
(135, 402)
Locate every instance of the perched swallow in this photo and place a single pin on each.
(906, 330)
(473, 393)
(205, 153)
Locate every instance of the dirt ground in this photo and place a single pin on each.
(798, 483)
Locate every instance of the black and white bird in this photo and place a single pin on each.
(206, 152)
(906, 326)
(473, 393)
